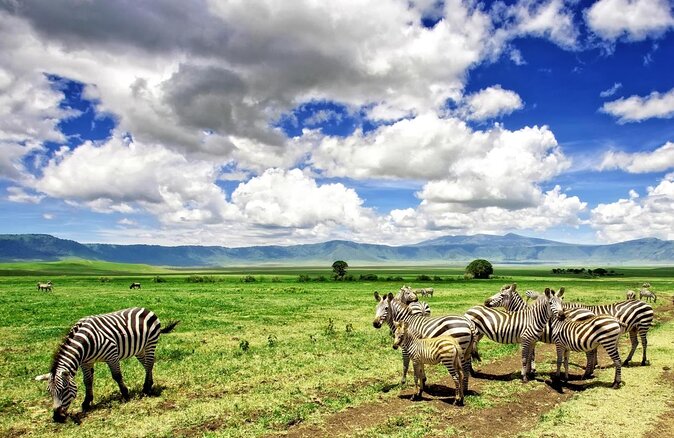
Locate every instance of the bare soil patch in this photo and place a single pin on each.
(664, 428)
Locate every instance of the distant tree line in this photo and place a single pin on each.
(598, 272)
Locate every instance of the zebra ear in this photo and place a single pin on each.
(513, 287)
(389, 296)
(42, 377)
(561, 292)
(376, 296)
(548, 292)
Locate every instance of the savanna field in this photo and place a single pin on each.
(259, 353)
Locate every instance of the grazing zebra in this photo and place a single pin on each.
(103, 338)
(631, 295)
(646, 286)
(509, 299)
(650, 295)
(390, 310)
(427, 292)
(45, 286)
(524, 326)
(134, 286)
(604, 330)
(431, 351)
(636, 315)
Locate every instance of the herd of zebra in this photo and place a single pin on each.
(451, 340)
(507, 318)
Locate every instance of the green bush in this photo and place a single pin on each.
(158, 279)
(200, 279)
(423, 277)
(104, 279)
(303, 278)
(368, 277)
(248, 279)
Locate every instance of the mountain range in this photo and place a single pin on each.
(510, 248)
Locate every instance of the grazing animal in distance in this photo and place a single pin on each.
(134, 286)
(431, 351)
(427, 292)
(646, 286)
(45, 286)
(649, 295)
(103, 338)
(631, 295)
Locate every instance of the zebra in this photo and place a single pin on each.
(636, 315)
(509, 299)
(102, 338)
(443, 349)
(420, 308)
(134, 286)
(631, 295)
(646, 286)
(390, 310)
(45, 286)
(407, 295)
(524, 326)
(650, 295)
(604, 330)
(427, 292)
(532, 295)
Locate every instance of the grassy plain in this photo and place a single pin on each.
(251, 359)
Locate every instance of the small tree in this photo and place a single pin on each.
(479, 268)
(339, 268)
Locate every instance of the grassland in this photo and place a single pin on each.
(257, 358)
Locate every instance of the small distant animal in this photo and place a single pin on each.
(645, 293)
(646, 286)
(45, 286)
(427, 292)
(134, 286)
(631, 295)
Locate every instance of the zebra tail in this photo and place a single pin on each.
(170, 326)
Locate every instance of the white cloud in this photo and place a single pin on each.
(658, 160)
(19, 194)
(637, 108)
(638, 217)
(48, 216)
(611, 91)
(491, 102)
(635, 20)
(127, 222)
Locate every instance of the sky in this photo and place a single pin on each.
(237, 123)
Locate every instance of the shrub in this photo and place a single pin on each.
(104, 279)
(276, 279)
(200, 279)
(480, 268)
(158, 279)
(437, 278)
(368, 277)
(321, 278)
(330, 328)
(244, 345)
(248, 279)
(397, 278)
(271, 341)
(423, 277)
(303, 278)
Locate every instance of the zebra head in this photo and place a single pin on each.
(399, 334)
(61, 385)
(382, 312)
(406, 295)
(555, 303)
(501, 298)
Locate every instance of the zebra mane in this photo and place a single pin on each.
(57, 353)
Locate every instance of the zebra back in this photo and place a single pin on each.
(420, 308)
(635, 314)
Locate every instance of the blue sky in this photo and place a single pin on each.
(375, 121)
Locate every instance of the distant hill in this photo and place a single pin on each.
(510, 248)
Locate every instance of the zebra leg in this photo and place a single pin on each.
(644, 344)
(560, 353)
(147, 360)
(526, 362)
(635, 342)
(88, 373)
(612, 350)
(406, 365)
(566, 365)
(465, 365)
(417, 377)
(117, 375)
(533, 359)
(589, 366)
(422, 375)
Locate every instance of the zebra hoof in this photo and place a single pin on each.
(645, 363)
(458, 402)
(615, 385)
(626, 363)
(86, 406)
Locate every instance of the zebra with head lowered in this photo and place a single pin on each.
(102, 338)
(522, 327)
(635, 314)
(390, 310)
(649, 295)
(509, 299)
(604, 330)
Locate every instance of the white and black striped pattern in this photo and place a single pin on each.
(420, 308)
(636, 315)
(532, 295)
(604, 330)
(406, 295)
(390, 310)
(524, 326)
(103, 338)
(631, 295)
(509, 299)
(431, 351)
(649, 295)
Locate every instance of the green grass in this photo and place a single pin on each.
(301, 364)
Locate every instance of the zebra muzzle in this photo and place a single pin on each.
(60, 415)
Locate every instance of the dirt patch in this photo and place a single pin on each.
(13, 432)
(664, 428)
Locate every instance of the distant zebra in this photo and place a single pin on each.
(649, 295)
(531, 295)
(522, 327)
(390, 310)
(134, 286)
(427, 292)
(103, 338)
(631, 295)
(646, 286)
(45, 286)
(431, 351)
(509, 299)
(604, 330)
(407, 295)
(636, 315)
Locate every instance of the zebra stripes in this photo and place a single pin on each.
(649, 295)
(390, 310)
(636, 315)
(631, 295)
(604, 330)
(524, 326)
(103, 338)
(431, 351)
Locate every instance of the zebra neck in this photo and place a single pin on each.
(409, 345)
(70, 355)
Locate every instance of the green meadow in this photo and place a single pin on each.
(257, 352)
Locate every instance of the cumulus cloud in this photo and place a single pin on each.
(638, 217)
(611, 91)
(658, 160)
(637, 108)
(635, 20)
(19, 194)
(491, 102)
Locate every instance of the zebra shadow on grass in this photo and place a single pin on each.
(507, 377)
(108, 401)
(437, 391)
(558, 384)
